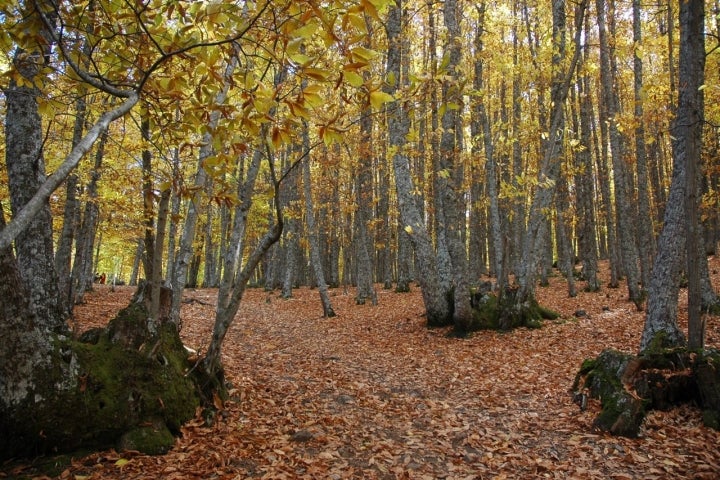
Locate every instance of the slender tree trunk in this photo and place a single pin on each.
(227, 308)
(136, 262)
(692, 75)
(646, 239)
(313, 233)
(83, 274)
(291, 234)
(186, 253)
(71, 216)
(233, 256)
(148, 193)
(362, 243)
(587, 239)
(491, 180)
(175, 204)
(626, 217)
(535, 238)
(209, 279)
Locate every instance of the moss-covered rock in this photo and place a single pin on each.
(152, 439)
(96, 391)
(628, 386)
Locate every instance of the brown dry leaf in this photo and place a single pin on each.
(384, 397)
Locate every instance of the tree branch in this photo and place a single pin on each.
(24, 216)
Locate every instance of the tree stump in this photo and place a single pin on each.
(629, 386)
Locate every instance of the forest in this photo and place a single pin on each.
(467, 155)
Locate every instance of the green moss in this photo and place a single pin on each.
(154, 439)
(711, 419)
(93, 393)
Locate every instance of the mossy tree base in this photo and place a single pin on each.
(629, 386)
(504, 312)
(127, 389)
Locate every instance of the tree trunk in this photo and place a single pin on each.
(227, 307)
(434, 298)
(136, 262)
(646, 239)
(451, 181)
(536, 235)
(186, 254)
(362, 243)
(587, 238)
(83, 274)
(312, 232)
(692, 79)
(26, 174)
(291, 233)
(233, 255)
(625, 214)
(499, 268)
(661, 323)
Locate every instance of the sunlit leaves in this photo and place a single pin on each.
(379, 98)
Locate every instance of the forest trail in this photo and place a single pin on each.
(372, 393)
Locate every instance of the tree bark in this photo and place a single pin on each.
(661, 323)
(26, 176)
(312, 231)
(362, 243)
(535, 238)
(451, 182)
(434, 299)
(646, 239)
(83, 274)
(625, 214)
(499, 268)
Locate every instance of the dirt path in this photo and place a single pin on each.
(372, 393)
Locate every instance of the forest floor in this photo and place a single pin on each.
(373, 393)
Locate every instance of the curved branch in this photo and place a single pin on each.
(24, 216)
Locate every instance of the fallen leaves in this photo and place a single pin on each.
(372, 393)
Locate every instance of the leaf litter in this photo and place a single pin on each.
(374, 394)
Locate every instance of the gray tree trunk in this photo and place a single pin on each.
(451, 182)
(175, 205)
(499, 268)
(313, 233)
(26, 174)
(71, 219)
(661, 325)
(434, 298)
(291, 233)
(646, 238)
(186, 252)
(625, 214)
(362, 243)
(535, 239)
(587, 238)
(136, 262)
(83, 275)
(232, 261)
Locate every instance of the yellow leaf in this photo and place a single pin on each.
(354, 79)
(306, 31)
(363, 53)
(301, 59)
(408, 229)
(122, 462)
(317, 74)
(378, 98)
